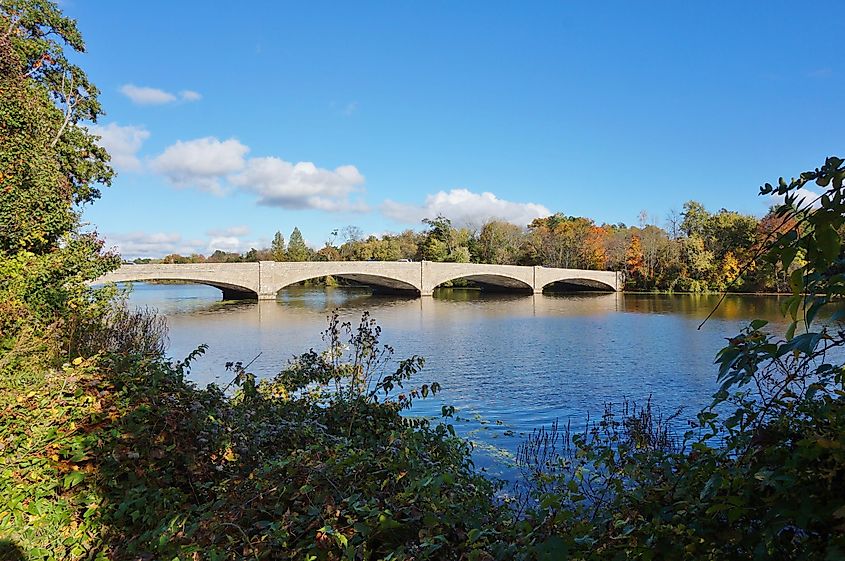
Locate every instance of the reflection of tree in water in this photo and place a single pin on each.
(734, 306)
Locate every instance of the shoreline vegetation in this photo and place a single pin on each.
(469, 285)
(108, 451)
(697, 251)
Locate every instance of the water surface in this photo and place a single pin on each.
(508, 363)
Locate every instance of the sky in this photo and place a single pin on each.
(229, 121)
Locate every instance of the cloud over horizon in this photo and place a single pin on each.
(463, 206)
(156, 245)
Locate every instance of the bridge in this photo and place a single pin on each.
(263, 279)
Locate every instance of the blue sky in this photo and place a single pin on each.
(230, 121)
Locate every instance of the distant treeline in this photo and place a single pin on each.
(696, 251)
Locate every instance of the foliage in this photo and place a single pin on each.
(703, 252)
(760, 477)
(108, 452)
(117, 456)
(297, 250)
(277, 248)
(49, 163)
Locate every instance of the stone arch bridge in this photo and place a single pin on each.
(264, 279)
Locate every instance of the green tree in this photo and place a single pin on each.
(251, 256)
(297, 250)
(436, 243)
(49, 164)
(695, 219)
(499, 242)
(277, 248)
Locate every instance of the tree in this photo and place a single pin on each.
(634, 260)
(560, 241)
(499, 242)
(251, 256)
(329, 253)
(49, 164)
(695, 219)
(436, 246)
(297, 250)
(352, 233)
(277, 248)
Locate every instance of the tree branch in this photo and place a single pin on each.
(71, 101)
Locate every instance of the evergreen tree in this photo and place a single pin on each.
(277, 248)
(297, 250)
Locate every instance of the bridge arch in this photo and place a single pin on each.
(578, 284)
(502, 277)
(380, 283)
(383, 276)
(492, 281)
(239, 281)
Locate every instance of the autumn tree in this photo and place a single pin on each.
(499, 243)
(560, 241)
(634, 260)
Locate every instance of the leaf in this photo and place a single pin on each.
(796, 281)
(828, 241)
(73, 478)
(790, 331)
(788, 256)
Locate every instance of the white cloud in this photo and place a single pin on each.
(220, 166)
(301, 185)
(143, 95)
(201, 162)
(146, 96)
(462, 206)
(232, 239)
(123, 143)
(159, 244)
(224, 243)
(236, 231)
(190, 95)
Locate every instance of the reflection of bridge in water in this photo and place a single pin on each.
(264, 279)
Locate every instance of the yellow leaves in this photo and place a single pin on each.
(229, 456)
(77, 361)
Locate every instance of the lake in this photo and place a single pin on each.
(507, 363)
